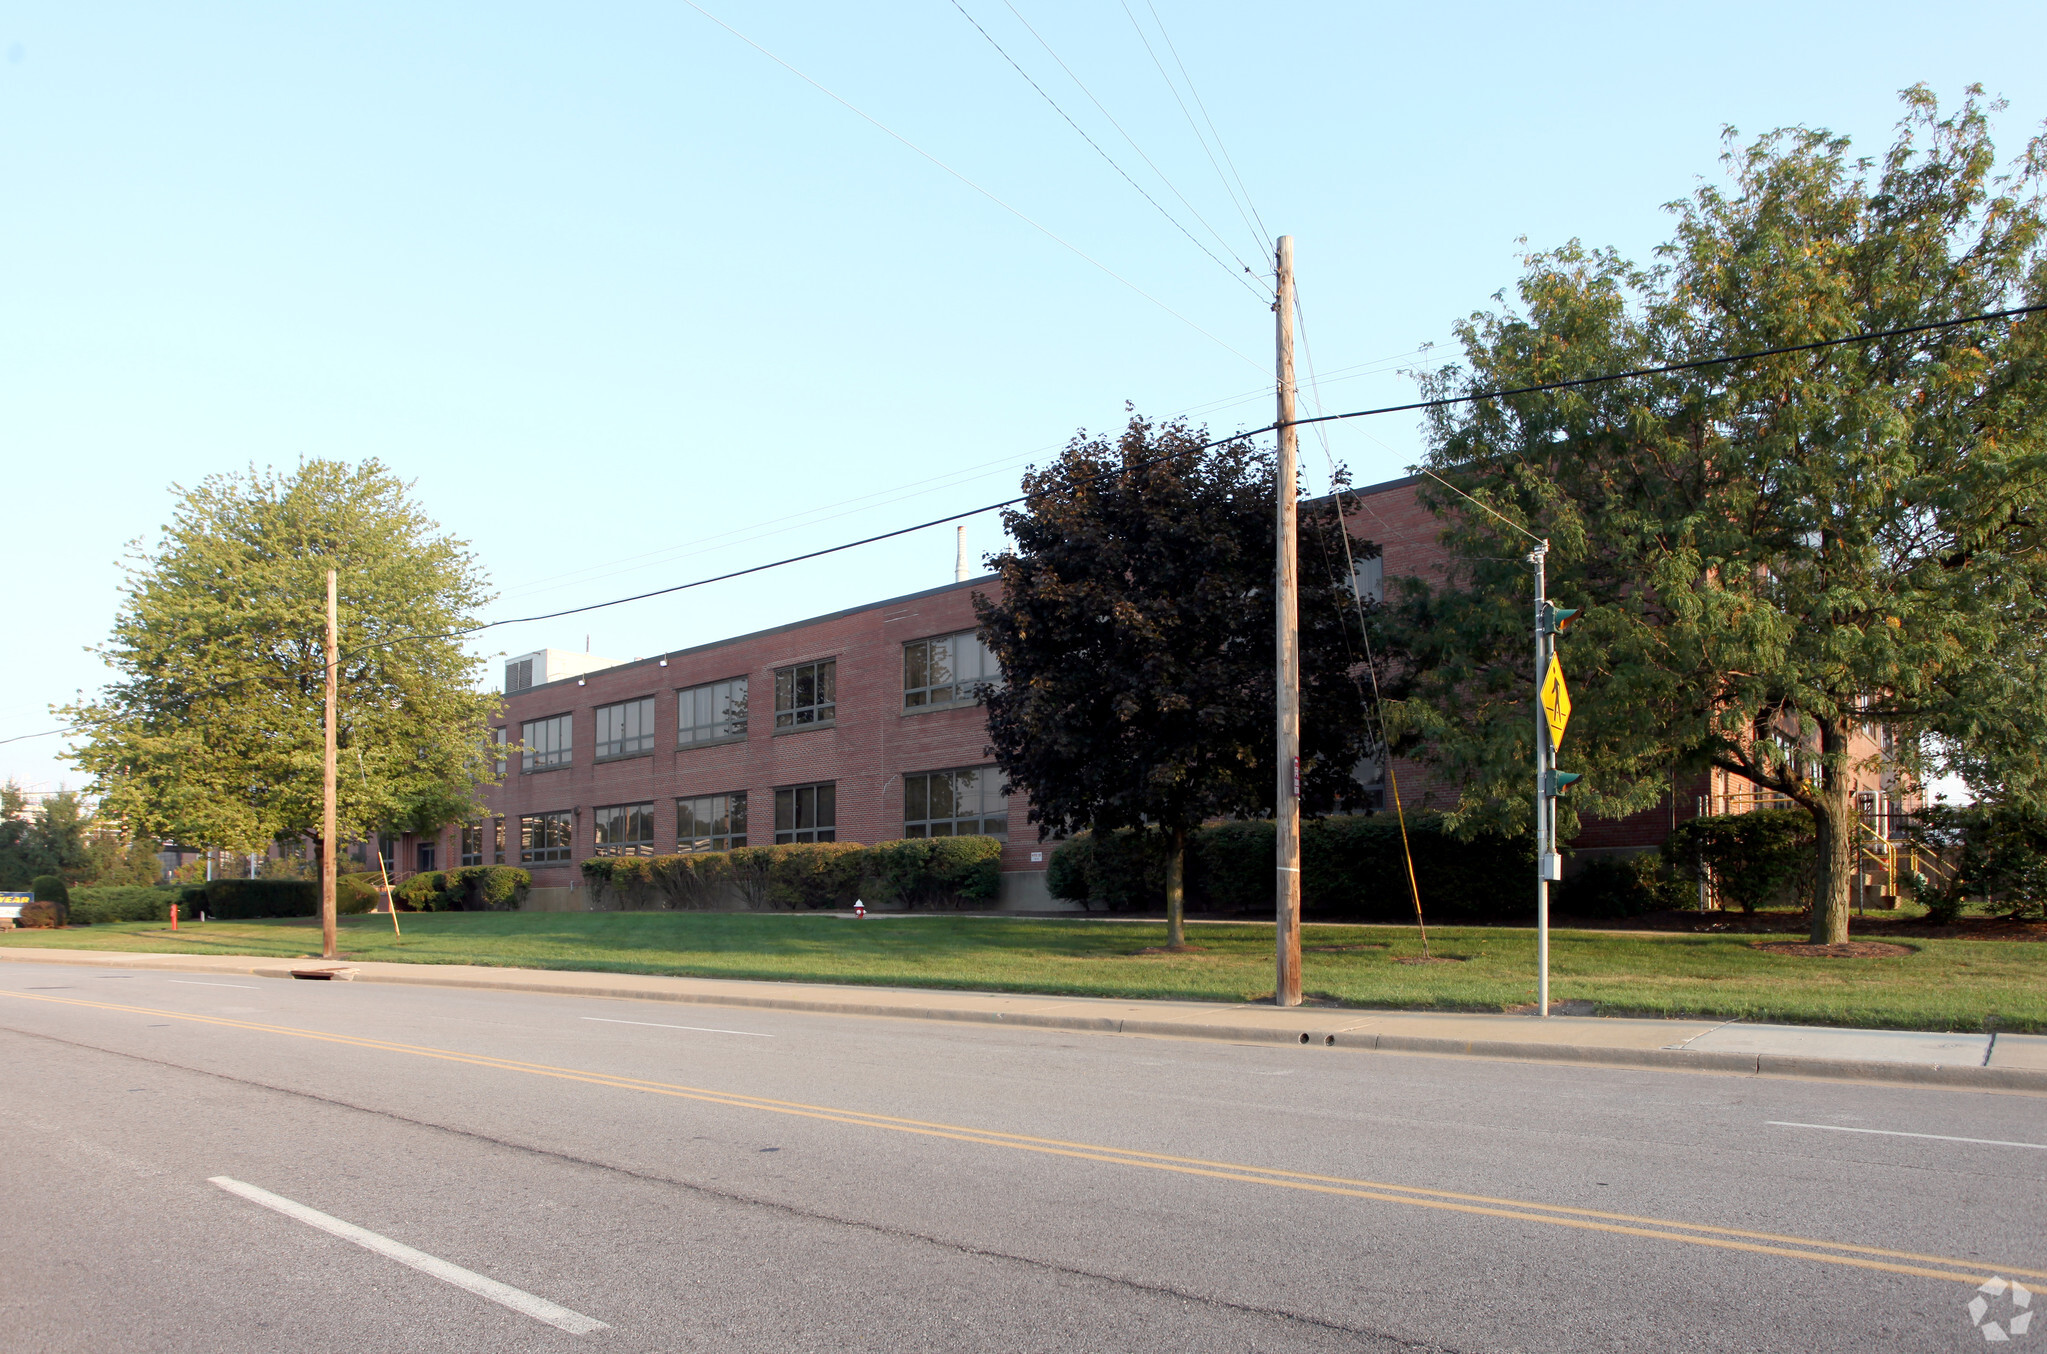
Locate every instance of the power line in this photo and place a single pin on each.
(1046, 231)
(1103, 110)
(1667, 368)
(1099, 151)
(1188, 76)
(1257, 232)
(1447, 401)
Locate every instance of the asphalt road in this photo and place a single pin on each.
(691, 1178)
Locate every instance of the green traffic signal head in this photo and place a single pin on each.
(1566, 779)
(1561, 618)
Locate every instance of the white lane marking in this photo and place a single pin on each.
(700, 1029)
(1894, 1133)
(540, 1309)
(194, 982)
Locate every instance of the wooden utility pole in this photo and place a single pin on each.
(1287, 664)
(327, 785)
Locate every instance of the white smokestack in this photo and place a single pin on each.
(959, 562)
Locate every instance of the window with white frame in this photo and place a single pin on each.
(807, 813)
(546, 837)
(711, 713)
(498, 738)
(963, 803)
(548, 742)
(806, 694)
(710, 822)
(947, 670)
(624, 829)
(625, 729)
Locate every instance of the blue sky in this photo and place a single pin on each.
(633, 304)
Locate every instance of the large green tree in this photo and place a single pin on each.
(1777, 555)
(1135, 632)
(211, 731)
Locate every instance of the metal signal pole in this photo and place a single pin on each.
(1545, 848)
(1287, 667)
(327, 785)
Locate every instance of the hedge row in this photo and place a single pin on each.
(242, 899)
(1353, 869)
(97, 905)
(473, 888)
(918, 872)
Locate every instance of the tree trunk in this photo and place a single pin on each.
(1836, 844)
(1176, 891)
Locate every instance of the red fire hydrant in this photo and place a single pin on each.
(859, 908)
(174, 916)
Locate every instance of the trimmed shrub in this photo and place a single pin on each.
(50, 888)
(243, 899)
(39, 916)
(100, 904)
(694, 880)
(815, 875)
(473, 888)
(932, 871)
(1749, 858)
(355, 894)
(1609, 888)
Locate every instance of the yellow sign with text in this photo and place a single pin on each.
(1556, 702)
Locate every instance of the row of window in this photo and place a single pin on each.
(941, 671)
(960, 803)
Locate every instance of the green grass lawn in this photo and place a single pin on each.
(1943, 985)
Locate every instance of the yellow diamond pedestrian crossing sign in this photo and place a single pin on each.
(1556, 702)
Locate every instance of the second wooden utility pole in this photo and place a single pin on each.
(327, 785)
(1287, 658)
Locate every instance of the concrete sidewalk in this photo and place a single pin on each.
(1979, 1061)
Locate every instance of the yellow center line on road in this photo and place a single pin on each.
(1556, 1215)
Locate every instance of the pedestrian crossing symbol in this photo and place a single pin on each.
(1556, 702)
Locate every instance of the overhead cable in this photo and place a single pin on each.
(1110, 161)
(1127, 137)
(1044, 230)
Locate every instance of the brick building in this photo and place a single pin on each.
(856, 726)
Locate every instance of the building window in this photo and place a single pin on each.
(807, 813)
(947, 670)
(472, 844)
(625, 829)
(497, 738)
(387, 853)
(426, 857)
(519, 675)
(806, 694)
(625, 729)
(955, 804)
(711, 713)
(545, 837)
(710, 822)
(1368, 576)
(548, 741)
(497, 829)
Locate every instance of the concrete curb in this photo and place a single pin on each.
(549, 982)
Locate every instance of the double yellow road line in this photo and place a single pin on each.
(1518, 1210)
